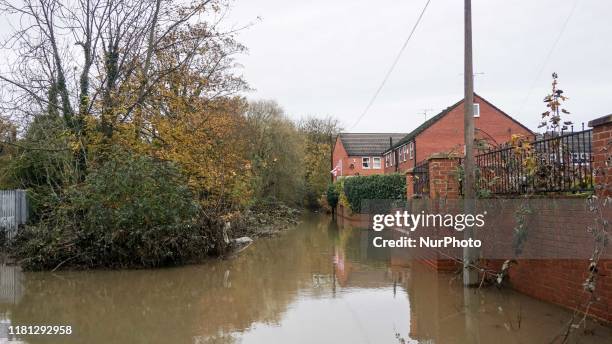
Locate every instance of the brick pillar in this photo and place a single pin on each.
(443, 181)
(602, 135)
(409, 185)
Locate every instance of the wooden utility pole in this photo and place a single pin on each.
(470, 275)
(331, 156)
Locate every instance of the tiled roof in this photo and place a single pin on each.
(364, 144)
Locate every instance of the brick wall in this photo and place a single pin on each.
(559, 281)
(404, 166)
(447, 133)
(554, 262)
(602, 135)
(559, 231)
(409, 185)
(442, 178)
(392, 168)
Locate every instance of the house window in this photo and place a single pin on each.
(376, 163)
(404, 153)
(476, 110)
(411, 150)
(365, 162)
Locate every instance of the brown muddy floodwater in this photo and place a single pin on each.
(315, 283)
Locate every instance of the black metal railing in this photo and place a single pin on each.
(420, 179)
(554, 163)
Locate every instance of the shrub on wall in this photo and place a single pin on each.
(374, 187)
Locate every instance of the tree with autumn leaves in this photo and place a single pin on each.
(131, 109)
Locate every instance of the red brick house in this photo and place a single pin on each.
(443, 133)
(361, 153)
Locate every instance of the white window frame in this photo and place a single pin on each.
(374, 160)
(411, 150)
(365, 162)
(476, 110)
(404, 151)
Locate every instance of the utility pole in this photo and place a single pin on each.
(331, 156)
(470, 275)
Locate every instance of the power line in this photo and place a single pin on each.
(548, 55)
(382, 84)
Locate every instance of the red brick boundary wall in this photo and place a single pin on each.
(443, 181)
(602, 134)
(559, 281)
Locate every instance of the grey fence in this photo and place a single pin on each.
(13, 211)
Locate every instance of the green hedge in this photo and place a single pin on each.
(374, 187)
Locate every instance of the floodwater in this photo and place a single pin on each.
(315, 283)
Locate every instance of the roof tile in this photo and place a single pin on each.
(364, 144)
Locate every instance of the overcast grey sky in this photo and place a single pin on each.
(327, 57)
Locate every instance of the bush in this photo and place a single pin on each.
(374, 187)
(43, 166)
(131, 212)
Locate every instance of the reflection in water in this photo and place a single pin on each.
(11, 287)
(11, 290)
(313, 284)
